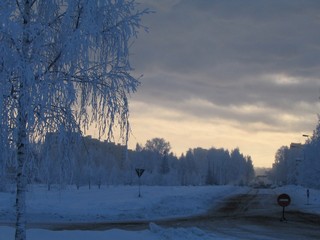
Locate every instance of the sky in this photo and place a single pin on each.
(227, 74)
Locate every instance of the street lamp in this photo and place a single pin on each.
(304, 162)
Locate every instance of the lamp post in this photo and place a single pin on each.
(304, 151)
(304, 163)
(303, 159)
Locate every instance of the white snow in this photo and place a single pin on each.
(121, 203)
(299, 200)
(116, 203)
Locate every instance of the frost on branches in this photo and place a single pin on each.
(64, 65)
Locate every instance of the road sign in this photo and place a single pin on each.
(139, 171)
(284, 200)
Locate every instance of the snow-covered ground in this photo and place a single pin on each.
(121, 203)
(115, 203)
(299, 200)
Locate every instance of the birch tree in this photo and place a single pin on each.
(63, 64)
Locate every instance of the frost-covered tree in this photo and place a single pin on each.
(63, 64)
(158, 145)
(249, 170)
(215, 166)
(279, 168)
(158, 149)
(310, 164)
(299, 164)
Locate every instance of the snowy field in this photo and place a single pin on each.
(121, 203)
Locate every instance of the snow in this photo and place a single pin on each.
(121, 203)
(155, 233)
(116, 203)
(299, 200)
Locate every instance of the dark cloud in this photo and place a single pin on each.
(190, 38)
(232, 54)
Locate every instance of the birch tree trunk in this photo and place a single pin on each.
(21, 180)
(22, 139)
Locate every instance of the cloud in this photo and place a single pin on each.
(198, 34)
(250, 64)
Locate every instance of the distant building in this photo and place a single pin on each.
(294, 160)
(117, 151)
(296, 151)
(84, 145)
(80, 159)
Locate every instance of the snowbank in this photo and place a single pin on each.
(299, 199)
(115, 204)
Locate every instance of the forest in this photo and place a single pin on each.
(84, 161)
(299, 164)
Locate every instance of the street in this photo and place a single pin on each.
(255, 215)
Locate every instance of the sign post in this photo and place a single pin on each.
(139, 172)
(284, 201)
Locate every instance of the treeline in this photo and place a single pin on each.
(197, 167)
(299, 164)
(91, 162)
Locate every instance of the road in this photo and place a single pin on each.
(255, 215)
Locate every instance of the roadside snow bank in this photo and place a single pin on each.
(299, 198)
(154, 232)
(115, 203)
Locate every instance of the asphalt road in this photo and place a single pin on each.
(254, 215)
